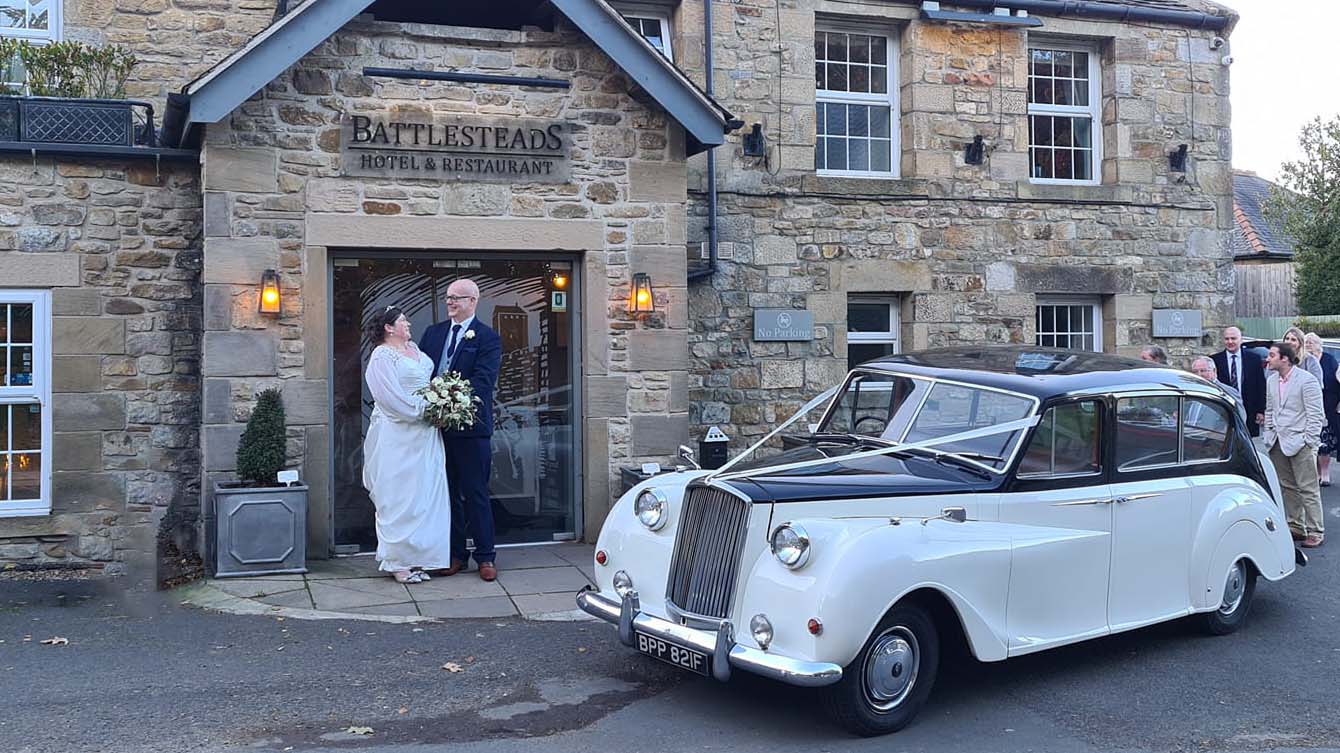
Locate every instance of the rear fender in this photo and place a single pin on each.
(1243, 540)
(1235, 524)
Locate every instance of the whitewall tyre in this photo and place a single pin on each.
(885, 686)
(1235, 600)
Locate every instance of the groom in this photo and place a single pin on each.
(473, 350)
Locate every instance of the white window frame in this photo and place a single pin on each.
(631, 11)
(1094, 303)
(39, 391)
(50, 34)
(889, 337)
(890, 97)
(1094, 110)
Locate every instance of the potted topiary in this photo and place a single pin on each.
(259, 524)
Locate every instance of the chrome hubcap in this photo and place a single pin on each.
(1234, 588)
(891, 668)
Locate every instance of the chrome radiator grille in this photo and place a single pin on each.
(708, 545)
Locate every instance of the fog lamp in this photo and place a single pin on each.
(761, 629)
(623, 583)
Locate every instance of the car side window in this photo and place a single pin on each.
(1146, 431)
(1206, 428)
(1067, 442)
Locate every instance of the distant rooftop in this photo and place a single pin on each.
(1253, 235)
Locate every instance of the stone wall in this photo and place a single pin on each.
(275, 197)
(118, 245)
(966, 249)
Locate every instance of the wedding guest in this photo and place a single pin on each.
(1241, 369)
(1292, 432)
(1330, 398)
(1154, 354)
(403, 464)
(1203, 367)
(1293, 337)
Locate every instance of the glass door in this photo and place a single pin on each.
(535, 455)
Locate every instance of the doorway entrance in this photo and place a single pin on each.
(531, 304)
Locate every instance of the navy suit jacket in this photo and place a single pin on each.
(1251, 382)
(477, 359)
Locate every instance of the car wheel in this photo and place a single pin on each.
(887, 683)
(1235, 602)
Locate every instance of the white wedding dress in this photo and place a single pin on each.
(404, 468)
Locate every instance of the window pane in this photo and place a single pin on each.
(858, 155)
(27, 434)
(951, 409)
(13, 14)
(819, 38)
(1047, 341)
(1040, 130)
(1082, 93)
(868, 317)
(4, 428)
(1081, 65)
(1042, 63)
(21, 323)
(858, 123)
(878, 51)
(837, 46)
(1205, 430)
(1042, 163)
(879, 80)
(27, 477)
(837, 78)
(39, 14)
(1088, 317)
(20, 365)
(819, 152)
(879, 122)
(1061, 64)
(860, 78)
(4, 323)
(1064, 169)
(837, 120)
(1062, 318)
(1146, 432)
(859, 48)
(859, 353)
(1047, 318)
(1063, 92)
(1041, 89)
(837, 154)
(1078, 432)
(1061, 133)
(1082, 130)
(1037, 458)
(879, 156)
(819, 78)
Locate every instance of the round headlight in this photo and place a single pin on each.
(791, 545)
(652, 507)
(761, 629)
(623, 583)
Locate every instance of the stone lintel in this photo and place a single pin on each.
(482, 233)
(44, 270)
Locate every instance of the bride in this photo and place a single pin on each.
(404, 469)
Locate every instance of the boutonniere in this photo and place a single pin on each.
(469, 334)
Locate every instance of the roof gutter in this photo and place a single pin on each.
(1102, 11)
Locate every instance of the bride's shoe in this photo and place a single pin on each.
(407, 577)
(423, 575)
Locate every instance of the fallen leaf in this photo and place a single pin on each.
(56, 641)
(453, 667)
(358, 730)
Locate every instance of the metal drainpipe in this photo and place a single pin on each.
(1109, 11)
(711, 157)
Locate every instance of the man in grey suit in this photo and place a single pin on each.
(1292, 433)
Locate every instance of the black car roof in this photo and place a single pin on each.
(1040, 372)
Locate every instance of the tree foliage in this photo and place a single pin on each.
(1309, 213)
(260, 453)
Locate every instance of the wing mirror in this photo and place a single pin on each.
(686, 455)
(951, 514)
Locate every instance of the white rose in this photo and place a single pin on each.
(463, 399)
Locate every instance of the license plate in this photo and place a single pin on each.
(684, 658)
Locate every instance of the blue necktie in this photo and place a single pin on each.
(451, 343)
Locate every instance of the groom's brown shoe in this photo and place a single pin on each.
(487, 571)
(456, 567)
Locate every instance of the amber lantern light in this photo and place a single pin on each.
(640, 299)
(559, 280)
(269, 293)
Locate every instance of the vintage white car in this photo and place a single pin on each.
(1015, 499)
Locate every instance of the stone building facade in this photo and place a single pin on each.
(964, 253)
(151, 268)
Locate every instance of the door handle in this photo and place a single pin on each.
(1080, 502)
(1137, 497)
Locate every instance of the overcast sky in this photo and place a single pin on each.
(1284, 54)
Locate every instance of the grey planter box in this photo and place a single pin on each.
(258, 531)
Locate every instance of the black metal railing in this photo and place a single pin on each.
(93, 122)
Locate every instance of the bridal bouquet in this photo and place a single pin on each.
(451, 402)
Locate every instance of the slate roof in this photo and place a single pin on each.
(1091, 8)
(1253, 235)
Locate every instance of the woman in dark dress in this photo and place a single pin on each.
(1330, 397)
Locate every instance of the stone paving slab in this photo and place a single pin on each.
(535, 583)
(543, 580)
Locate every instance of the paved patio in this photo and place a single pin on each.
(537, 582)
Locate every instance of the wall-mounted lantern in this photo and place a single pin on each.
(269, 304)
(640, 300)
(559, 280)
(1177, 159)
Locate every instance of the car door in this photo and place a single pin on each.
(1060, 504)
(1151, 513)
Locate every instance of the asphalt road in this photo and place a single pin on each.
(142, 673)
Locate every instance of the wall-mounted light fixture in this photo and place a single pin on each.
(270, 301)
(754, 143)
(640, 299)
(974, 153)
(559, 280)
(1177, 159)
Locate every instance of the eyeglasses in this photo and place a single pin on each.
(459, 298)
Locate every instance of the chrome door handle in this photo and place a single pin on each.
(1136, 497)
(1079, 502)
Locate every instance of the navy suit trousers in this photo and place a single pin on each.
(469, 464)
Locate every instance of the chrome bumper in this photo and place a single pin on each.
(721, 646)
